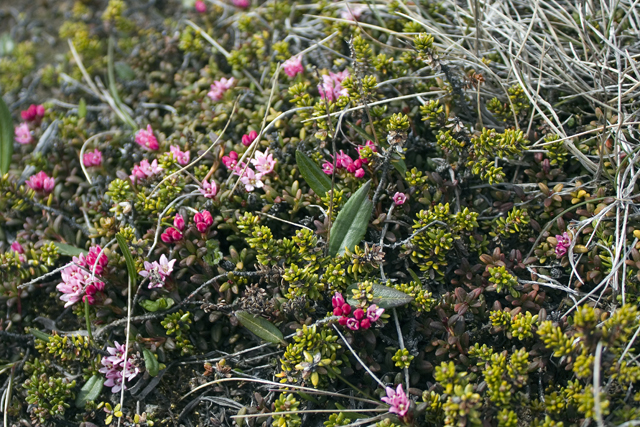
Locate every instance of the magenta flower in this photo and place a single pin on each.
(399, 198)
(182, 157)
(219, 87)
(374, 313)
(209, 189)
(343, 161)
(251, 180)
(564, 241)
(116, 369)
(17, 247)
(353, 324)
(78, 280)
(41, 183)
(243, 4)
(23, 134)
(293, 66)
(231, 160)
(264, 162)
(171, 235)
(203, 220)
(359, 173)
(327, 168)
(92, 158)
(200, 6)
(34, 113)
(92, 260)
(146, 139)
(398, 401)
(337, 300)
(247, 139)
(178, 222)
(331, 87)
(145, 170)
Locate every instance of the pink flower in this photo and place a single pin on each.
(247, 139)
(344, 161)
(72, 291)
(252, 180)
(34, 113)
(17, 247)
(264, 162)
(203, 220)
(398, 401)
(293, 66)
(337, 300)
(145, 170)
(209, 189)
(564, 241)
(178, 222)
(23, 134)
(116, 369)
(353, 324)
(374, 313)
(41, 183)
(171, 235)
(243, 4)
(331, 87)
(182, 157)
(146, 139)
(201, 7)
(352, 13)
(358, 314)
(93, 261)
(166, 266)
(231, 160)
(157, 273)
(219, 87)
(359, 173)
(365, 323)
(366, 151)
(327, 168)
(92, 158)
(399, 198)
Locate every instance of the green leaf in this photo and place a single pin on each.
(162, 303)
(414, 275)
(383, 296)
(150, 362)
(124, 71)
(114, 90)
(131, 266)
(6, 138)
(311, 172)
(90, 391)
(399, 164)
(40, 335)
(64, 249)
(352, 221)
(82, 108)
(363, 133)
(6, 44)
(261, 327)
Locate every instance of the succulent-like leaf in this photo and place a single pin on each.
(6, 138)
(150, 362)
(383, 296)
(64, 249)
(352, 221)
(260, 327)
(312, 173)
(90, 391)
(40, 335)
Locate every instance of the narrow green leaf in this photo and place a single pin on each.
(113, 89)
(311, 172)
(383, 296)
(150, 362)
(90, 391)
(399, 164)
(363, 133)
(261, 327)
(64, 249)
(352, 221)
(82, 108)
(40, 335)
(131, 266)
(6, 138)
(414, 275)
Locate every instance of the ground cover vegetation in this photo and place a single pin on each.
(296, 213)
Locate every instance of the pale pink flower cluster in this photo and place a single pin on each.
(352, 12)
(174, 234)
(157, 273)
(331, 87)
(78, 281)
(115, 368)
(398, 401)
(145, 170)
(359, 318)
(23, 134)
(209, 189)
(399, 198)
(293, 66)
(264, 164)
(182, 157)
(147, 139)
(41, 183)
(564, 242)
(219, 87)
(92, 158)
